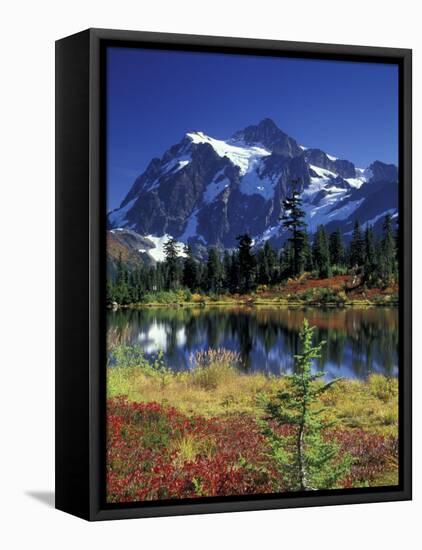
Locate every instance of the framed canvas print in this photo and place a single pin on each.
(233, 274)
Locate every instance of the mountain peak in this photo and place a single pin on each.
(383, 172)
(268, 123)
(266, 133)
(265, 129)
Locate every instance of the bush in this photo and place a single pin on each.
(322, 295)
(382, 387)
(307, 296)
(212, 376)
(132, 357)
(339, 270)
(167, 297)
(212, 368)
(328, 296)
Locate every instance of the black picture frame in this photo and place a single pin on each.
(80, 272)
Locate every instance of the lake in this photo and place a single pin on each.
(359, 342)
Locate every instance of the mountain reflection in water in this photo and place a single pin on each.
(358, 341)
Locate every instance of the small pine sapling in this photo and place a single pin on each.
(305, 459)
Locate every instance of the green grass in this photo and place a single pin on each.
(216, 387)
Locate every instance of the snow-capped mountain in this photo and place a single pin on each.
(207, 191)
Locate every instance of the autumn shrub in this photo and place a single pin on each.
(147, 458)
(373, 456)
(155, 452)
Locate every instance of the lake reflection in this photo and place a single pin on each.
(358, 341)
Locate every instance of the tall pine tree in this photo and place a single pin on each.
(336, 248)
(247, 263)
(370, 273)
(357, 247)
(190, 270)
(293, 221)
(321, 253)
(214, 271)
(171, 253)
(267, 264)
(388, 252)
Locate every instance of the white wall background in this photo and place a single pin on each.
(27, 36)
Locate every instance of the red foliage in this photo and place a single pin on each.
(372, 454)
(143, 465)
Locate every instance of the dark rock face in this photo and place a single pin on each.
(206, 192)
(383, 172)
(343, 168)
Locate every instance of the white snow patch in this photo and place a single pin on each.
(325, 211)
(191, 226)
(344, 212)
(373, 221)
(215, 187)
(355, 182)
(322, 172)
(316, 185)
(253, 184)
(118, 216)
(331, 157)
(241, 156)
(157, 253)
(267, 234)
(303, 147)
(175, 165)
(362, 176)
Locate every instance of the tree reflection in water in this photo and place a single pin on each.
(358, 341)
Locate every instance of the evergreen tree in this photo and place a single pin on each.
(293, 221)
(110, 293)
(214, 271)
(321, 253)
(171, 253)
(121, 288)
(267, 264)
(226, 269)
(247, 263)
(336, 248)
(233, 273)
(306, 460)
(308, 261)
(388, 264)
(370, 267)
(120, 271)
(357, 247)
(286, 261)
(190, 270)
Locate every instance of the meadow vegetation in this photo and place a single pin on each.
(207, 431)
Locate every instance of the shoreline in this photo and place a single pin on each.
(256, 303)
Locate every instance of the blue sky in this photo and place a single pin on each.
(348, 109)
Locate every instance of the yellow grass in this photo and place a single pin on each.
(219, 389)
